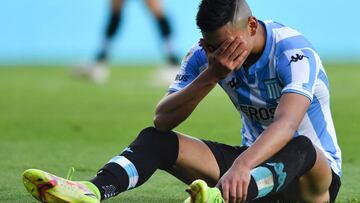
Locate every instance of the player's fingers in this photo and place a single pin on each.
(231, 48)
(241, 59)
(238, 193)
(232, 193)
(225, 191)
(236, 53)
(244, 191)
(223, 46)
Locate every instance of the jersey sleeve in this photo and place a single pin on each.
(297, 70)
(191, 66)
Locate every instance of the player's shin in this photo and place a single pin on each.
(150, 151)
(110, 31)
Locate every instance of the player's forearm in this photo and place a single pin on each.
(271, 141)
(288, 116)
(175, 108)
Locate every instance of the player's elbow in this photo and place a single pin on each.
(160, 123)
(290, 127)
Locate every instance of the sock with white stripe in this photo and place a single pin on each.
(150, 151)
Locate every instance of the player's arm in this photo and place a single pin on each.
(288, 116)
(175, 108)
(298, 78)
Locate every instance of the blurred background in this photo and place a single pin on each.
(52, 121)
(64, 31)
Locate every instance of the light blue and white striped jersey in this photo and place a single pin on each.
(288, 63)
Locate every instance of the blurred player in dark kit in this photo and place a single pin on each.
(99, 72)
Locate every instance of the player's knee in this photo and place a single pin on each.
(150, 136)
(306, 152)
(154, 135)
(303, 144)
(149, 131)
(303, 141)
(165, 145)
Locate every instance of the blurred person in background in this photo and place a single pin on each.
(98, 72)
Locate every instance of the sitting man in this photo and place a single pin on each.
(276, 81)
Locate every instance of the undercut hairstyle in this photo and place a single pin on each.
(214, 14)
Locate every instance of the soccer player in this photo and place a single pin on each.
(277, 82)
(99, 73)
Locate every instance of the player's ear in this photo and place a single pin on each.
(253, 25)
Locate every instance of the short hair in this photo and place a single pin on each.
(214, 14)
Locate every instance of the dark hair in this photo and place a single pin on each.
(213, 14)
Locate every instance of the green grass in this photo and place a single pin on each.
(51, 121)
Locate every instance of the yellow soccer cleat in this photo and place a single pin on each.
(200, 193)
(46, 187)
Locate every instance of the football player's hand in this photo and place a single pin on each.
(234, 184)
(228, 57)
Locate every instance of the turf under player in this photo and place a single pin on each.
(98, 73)
(276, 81)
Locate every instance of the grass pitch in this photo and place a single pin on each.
(51, 121)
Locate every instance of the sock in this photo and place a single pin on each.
(293, 161)
(165, 31)
(110, 31)
(150, 151)
(172, 59)
(164, 26)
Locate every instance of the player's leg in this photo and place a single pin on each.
(317, 184)
(271, 178)
(297, 166)
(110, 29)
(164, 28)
(185, 157)
(195, 161)
(98, 72)
(151, 150)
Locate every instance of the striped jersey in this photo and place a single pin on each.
(288, 64)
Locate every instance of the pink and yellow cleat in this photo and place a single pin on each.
(46, 187)
(200, 193)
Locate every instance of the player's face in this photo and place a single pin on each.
(214, 39)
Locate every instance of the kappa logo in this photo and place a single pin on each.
(234, 83)
(297, 58)
(128, 149)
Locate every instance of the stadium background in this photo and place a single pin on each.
(52, 121)
(67, 31)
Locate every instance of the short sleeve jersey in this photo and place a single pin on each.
(288, 64)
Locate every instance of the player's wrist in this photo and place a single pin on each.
(241, 163)
(213, 75)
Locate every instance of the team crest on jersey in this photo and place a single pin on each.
(273, 88)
